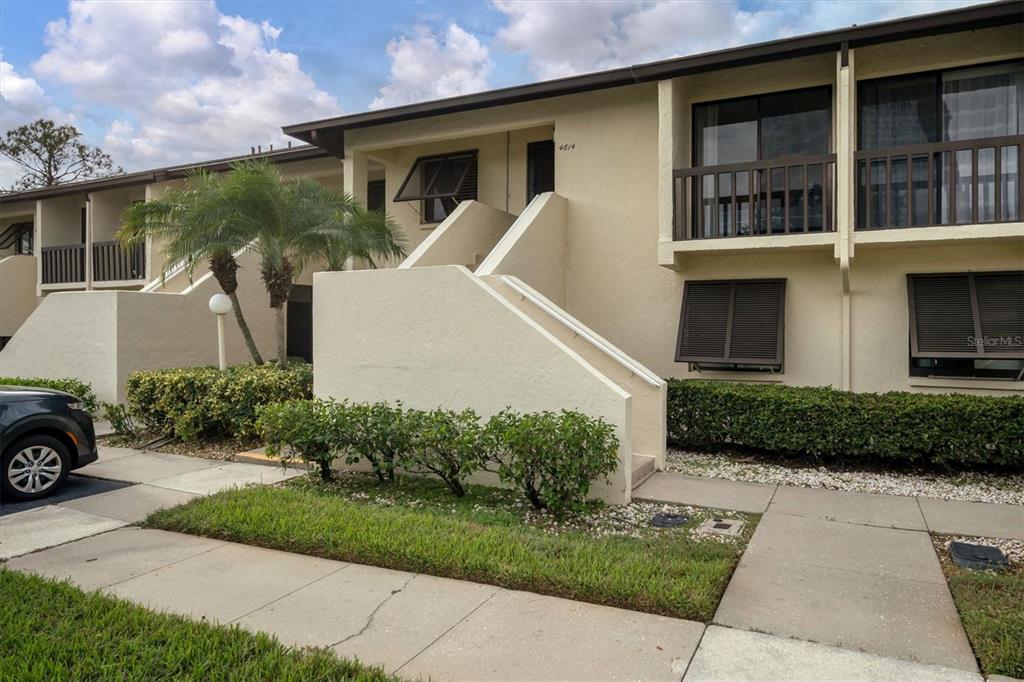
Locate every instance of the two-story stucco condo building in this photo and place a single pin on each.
(839, 209)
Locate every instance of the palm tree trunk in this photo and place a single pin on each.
(244, 326)
(279, 330)
(225, 270)
(278, 281)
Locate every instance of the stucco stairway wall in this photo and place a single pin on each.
(649, 392)
(17, 292)
(440, 337)
(102, 336)
(468, 234)
(534, 249)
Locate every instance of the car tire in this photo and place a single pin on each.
(46, 455)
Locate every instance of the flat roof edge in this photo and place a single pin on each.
(286, 155)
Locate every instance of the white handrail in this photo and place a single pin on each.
(579, 330)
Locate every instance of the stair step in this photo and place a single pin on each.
(643, 468)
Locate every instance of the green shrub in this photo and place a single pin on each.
(444, 443)
(551, 458)
(949, 430)
(308, 429)
(79, 389)
(201, 402)
(121, 418)
(378, 433)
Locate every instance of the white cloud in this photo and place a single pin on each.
(576, 36)
(187, 83)
(22, 99)
(424, 66)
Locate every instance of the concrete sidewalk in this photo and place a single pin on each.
(420, 626)
(156, 481)
(943, 517)
(851, 570)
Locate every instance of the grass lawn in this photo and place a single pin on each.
(991, 607)
(53, 631)
(487, 536)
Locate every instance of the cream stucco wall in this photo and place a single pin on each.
(465, 237)
(615, 149)
(107, 207)
(101, 336)
(880, 316)
(17, 292)
(439, 336)
(501, 168)
(534, 249)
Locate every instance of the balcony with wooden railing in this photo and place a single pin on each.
(63, 264)
(111, 262)
(946, 183)
(762, 198)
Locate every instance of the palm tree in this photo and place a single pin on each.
(293, 223)
(197, 223)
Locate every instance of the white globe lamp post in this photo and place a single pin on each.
(220, 305)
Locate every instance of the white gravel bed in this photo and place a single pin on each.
(963, 486)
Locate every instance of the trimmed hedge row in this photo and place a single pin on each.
(950, 430)
(79, 389)
(550, 457)
(202, 402)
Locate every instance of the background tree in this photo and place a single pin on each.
(202, 222)
(52, 154)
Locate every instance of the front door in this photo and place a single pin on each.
(540, 168)
(300, 322)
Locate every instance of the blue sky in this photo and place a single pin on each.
(168, 82)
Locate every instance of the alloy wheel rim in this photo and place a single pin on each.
(34, 469)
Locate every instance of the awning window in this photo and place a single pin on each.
(735, 322)
(441, 177)
(967, 315)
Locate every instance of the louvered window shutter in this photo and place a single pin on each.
(732, 321)
(967, 315)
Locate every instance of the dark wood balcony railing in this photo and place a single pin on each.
(784, 196)
(63, 264)
(112, 262)
(947, 183)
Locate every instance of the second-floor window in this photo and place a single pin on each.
(761, 165)
(940, 148)
(947, 106)
(765, 127)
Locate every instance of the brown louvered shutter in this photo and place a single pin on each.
(967, 315)
(704, 322)
(1001, 312)
(757, 322)
(732, 321)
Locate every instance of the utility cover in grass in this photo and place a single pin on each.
(978, 557)
(717, 526)
(669, 520)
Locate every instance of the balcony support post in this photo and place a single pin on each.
(88, 242)
(354, 180)
(846, 135)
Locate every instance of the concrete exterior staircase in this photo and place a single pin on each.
(648, 391)
(644, 467)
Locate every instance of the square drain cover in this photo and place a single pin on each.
(721, 526)
(978, 557)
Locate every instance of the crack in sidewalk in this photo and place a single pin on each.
(373, 614)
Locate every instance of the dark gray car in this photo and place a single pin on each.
(44, 434)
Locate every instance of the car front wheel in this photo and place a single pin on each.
(33, 467)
